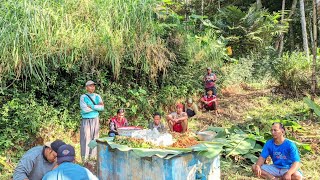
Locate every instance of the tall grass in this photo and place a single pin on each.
(38, 36)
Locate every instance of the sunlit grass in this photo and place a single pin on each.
(36, 35)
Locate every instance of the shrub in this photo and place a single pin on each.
(293, 72)
(238, 72)
(24, 116)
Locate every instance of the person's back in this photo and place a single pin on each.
(32, 165)
(191, 108)
(66, 169)
(70, 171)
(37, 161)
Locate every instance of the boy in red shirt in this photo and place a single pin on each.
(210, 101)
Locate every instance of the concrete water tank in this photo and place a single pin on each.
(115, 164)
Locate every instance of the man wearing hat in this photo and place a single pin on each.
(191, 108)
(178, 121)
(210, 81)
(91, 104)
(66, 169)
(37, 161)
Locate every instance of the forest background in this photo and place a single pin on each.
(145, 56)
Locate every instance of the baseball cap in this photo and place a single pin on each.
(189, 101)
(66, 153)
(208, 68)
(54, 145)
(88, 83)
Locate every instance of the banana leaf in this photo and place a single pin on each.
(207, 149)
(312, 105)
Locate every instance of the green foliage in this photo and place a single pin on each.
(208, 48)
(312, 105)
(24, 116)
(140, 106)
(39, 37)
(293, 72)
(247, 31)
(238, 72)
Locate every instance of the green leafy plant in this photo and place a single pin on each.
(293, 72)
(247, 31)
(312, 105)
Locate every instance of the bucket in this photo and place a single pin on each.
(206, 135)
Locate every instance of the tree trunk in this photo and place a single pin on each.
(314, 52)
(291, 38)
(304, 28)
(202, 13)
(282, 35)
(259, 4)
(186, 14)
(293, 8)
(292, 11)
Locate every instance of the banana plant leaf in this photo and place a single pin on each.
(312, 105)
(240, 145)
(252, 157)
(209, 150)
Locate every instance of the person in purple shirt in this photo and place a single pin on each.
(210, 79)
(284, 155)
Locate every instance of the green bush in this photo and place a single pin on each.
(237, 72)
(293, 72)
(248, 31)
(24, 116)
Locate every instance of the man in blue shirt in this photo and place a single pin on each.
(66, 169)
(284, 155)
(91, 104)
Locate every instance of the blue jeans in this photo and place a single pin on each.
(112, 134)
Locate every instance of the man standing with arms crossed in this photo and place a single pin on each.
(90, 104)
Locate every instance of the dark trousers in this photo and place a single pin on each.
(190, 113)
(214, 90)
(210, 108)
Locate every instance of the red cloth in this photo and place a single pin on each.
(177, 127)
